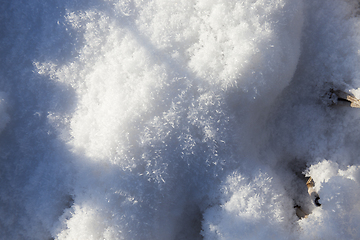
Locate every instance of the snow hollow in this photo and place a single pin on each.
(188, 119)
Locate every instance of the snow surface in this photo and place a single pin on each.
(189, 119)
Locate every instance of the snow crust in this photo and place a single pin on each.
(189, 119)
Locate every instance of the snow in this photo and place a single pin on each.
(192, 119)
(4, 116)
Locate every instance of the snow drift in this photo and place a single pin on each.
(178, 119)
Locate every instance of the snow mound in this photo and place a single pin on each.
(339, 215)
(252, 208)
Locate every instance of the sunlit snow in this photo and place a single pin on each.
(189, 119)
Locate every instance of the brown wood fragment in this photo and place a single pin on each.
(346, 99)
(313, 194)
(300, 212)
